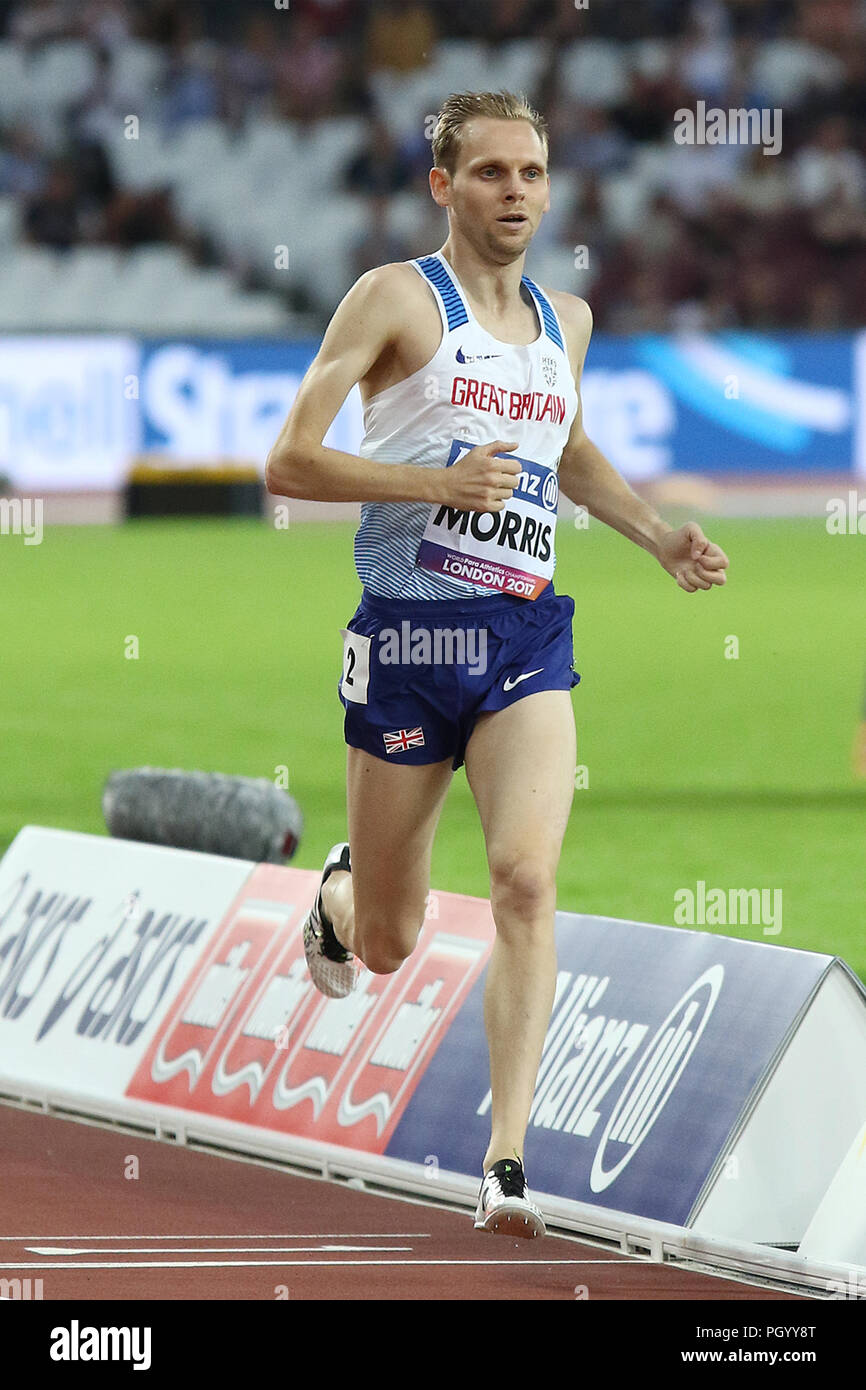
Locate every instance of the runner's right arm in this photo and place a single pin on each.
(299, 465)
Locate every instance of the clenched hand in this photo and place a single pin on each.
(694, 562)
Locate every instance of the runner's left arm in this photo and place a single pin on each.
(590, 481)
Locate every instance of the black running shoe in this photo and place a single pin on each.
(503, 1202)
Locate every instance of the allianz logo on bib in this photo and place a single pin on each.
(586, 1053)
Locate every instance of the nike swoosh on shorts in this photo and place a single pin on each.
(510, 684)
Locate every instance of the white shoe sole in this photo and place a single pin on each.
(512, 1219)
(333, 978)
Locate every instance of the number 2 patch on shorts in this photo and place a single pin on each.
(356, 666)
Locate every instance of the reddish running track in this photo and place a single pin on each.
(196, 1225)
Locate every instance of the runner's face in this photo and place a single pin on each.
(501, 175)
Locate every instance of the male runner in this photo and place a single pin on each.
(469, 375)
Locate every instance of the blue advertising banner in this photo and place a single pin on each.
(725, 403)
(76, 412)
(69, 420)
(657, 1040)
(215, 400)
(732, 402)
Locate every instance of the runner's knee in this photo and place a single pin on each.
(383, 945)
(382, 960)
(523, 884)
(384, 957)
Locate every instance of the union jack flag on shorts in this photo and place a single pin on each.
(401, 739)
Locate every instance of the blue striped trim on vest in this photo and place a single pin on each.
(438, 276)
(547, 314)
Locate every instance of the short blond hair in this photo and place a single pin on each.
(461, 107)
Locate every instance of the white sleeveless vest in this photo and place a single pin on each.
(474, 390)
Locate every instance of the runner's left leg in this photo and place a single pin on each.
(520, 764)
(377, 910)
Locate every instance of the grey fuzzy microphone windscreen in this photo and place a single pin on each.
(241, 817)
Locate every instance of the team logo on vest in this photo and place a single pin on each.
(477, 357)
(548, 366)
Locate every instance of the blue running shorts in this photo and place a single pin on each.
(417, 673)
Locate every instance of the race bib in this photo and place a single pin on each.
(510, 551)
(356, 666)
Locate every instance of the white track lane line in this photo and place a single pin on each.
(253, 1235)
(216, 1249)
(228, 1264)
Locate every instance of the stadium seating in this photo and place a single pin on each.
(272, 178)
(786, 68)
(9, 219)
(14, 80)
(137, 68)
(594, 72)
(58, 74)
(28, 289)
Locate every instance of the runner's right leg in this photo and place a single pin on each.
(377, 910)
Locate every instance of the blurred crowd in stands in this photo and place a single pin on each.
(730, 237)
